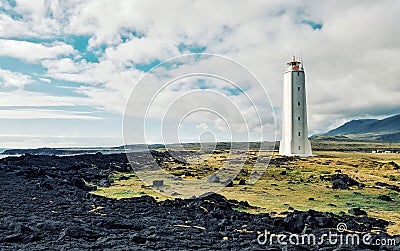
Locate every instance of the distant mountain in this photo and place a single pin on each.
(387, 129)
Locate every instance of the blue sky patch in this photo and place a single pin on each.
(10, 63)
(10, 11)
(169, 65)
(192, 48)
(81, 43)
(127, 34)
(12, 3)
(145, 67)
(233, 91)
(202, 84)
(54, 88)
(90, 57)
(314, 25)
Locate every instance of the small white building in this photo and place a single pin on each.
(294, 112)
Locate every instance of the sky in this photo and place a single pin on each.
(71, 72)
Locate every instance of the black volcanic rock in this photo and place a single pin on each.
(45, 205)
(392, 187)
(341, 181)
(395, 165)
(339, 184)
(37, 151)
(357, 211)
(104, 183)
(385, 198)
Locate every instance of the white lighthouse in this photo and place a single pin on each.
(294, 112)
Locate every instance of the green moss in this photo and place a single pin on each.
(275, 191)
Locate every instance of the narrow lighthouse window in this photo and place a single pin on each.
(298, 118)
(298, 88)
(299, 133)
(298, 103)
(299, 147)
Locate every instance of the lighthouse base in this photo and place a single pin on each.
(288, 149)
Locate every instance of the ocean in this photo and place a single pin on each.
(1, 153)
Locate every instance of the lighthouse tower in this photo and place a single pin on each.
(294, 112)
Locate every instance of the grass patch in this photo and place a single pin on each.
(294, 183)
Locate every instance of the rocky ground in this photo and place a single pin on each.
(45, 204)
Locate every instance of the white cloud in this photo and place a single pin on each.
(142, 50)
(262, 36)
(202, 127)
(38, 19)
(24, 98)
(32, 51)
(43, 114)
(13, 79)
(351, 63)
(45, 80)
